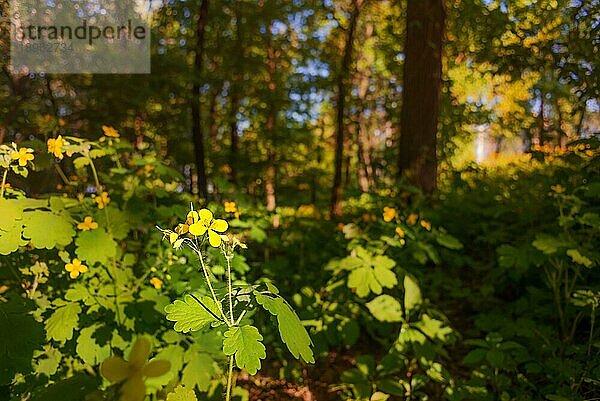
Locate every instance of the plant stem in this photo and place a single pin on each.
(3, 183)
(229, 289)
(591, 337)
(109, 230)
(229, 379)
(212, 290)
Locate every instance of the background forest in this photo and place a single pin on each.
(418, 180)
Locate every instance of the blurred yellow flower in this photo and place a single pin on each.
(412, 219)
(156, 282)
(230, 207)
(23, 156)
(206, 223)
(389, 213)
(400, 232)
(102, 200)
(75, 268)
(87, 224)
(55, 146)
(132, 373)
(110, 131)
(426, 225)
(558, 188)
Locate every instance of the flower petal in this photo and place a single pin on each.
(219, 225)
(156, 368)
(214, 239)
(192, 216)
(198, 229)
(114, 369)
(205, 215)
(139, 352)
(133, 389)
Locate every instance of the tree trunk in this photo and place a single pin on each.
(421, 92)
(342, 87)
(235, 97)
(270, 127)
(197, 132)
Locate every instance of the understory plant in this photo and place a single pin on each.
(227, 305)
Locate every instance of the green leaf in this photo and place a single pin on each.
(63, 321)
(245, 344)
(88, 349)
(11, 240)
(199, 371)
(190, 315)
(385, 309)
(292, 332)
(412, 293)
(95, 246)
(448, 241)
(20, 335)
(579, 258)
(48, 365)
(181, 393)
(474, 357)
(548, 244)
(75, 388)
(47, 229)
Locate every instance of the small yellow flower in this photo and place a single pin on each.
(400, 232)
(156, 282)
(102, 200)
(206, 223)
(110, 131)
(133, 372)
(558, 188)
(412, 219)
(23, 156)
(426, 225)
(389, 213)
(55, 146)
(87, 224)
(230, 207)
(75, 268)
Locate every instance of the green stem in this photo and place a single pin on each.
(61, 174)
(212, 290)
(3, 183)
(230, 290)
(591, 337)
(109, 230)
(229, 379)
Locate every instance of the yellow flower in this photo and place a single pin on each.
(389, 213)
(87, 224)
(400, 232)
(75, 267)
(102, 200)
(110, 131)
(558, 188)
(55, 146)
(206, 223)
(132, 373)
(230, 207)
(156, 282)
(23, 156)
(412, 219)
(426, 225)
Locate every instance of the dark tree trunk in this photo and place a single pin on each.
(197, 132)
(235, 97)
(421, 92)
(342, 88)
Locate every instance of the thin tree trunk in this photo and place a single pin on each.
(235, 98)
(271, 175)
(197, 132)
(365, 170)
(342, 87)
(421, 92)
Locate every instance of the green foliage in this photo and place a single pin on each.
(192, 313)
(293, 334)
(60, 325)
(245, 344)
